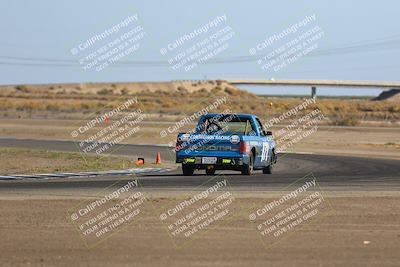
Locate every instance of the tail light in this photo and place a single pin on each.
(182, 141)
(244, 148)
(178, 146)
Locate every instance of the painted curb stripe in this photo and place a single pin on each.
(82, 174)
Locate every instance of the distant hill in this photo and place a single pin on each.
(178, 98)
(211, 87)
(392, 95)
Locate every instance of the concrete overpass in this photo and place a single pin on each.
(314, 83)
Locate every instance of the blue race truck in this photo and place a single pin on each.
(226, 142)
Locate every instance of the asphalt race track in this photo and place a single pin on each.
(332, 172)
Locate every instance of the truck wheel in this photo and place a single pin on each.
(187, 170)
(247, 169)
(268, 169)
(210, 171)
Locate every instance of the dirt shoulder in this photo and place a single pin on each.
(380, 142)
(361, 231)
(29, 161)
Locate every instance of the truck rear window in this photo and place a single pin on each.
(224, 126)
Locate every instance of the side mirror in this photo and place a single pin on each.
(269, 133)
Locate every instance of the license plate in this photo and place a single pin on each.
(209, 160)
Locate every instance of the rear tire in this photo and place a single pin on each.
(210, 171)
(247, 169)
(268, 169)
(187, 170)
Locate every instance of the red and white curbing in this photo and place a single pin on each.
(84, 174)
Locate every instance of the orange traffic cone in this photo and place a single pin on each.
(140, 161)
(158, 158)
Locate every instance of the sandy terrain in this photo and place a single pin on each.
(359, 232)
(362, 227)
(118, 88)
(358, 141)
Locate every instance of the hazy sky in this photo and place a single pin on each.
(361, 38)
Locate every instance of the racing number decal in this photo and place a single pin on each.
(264, 152)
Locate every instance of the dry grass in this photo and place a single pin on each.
(16, 161)
(181, 99)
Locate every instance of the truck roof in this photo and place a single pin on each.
(241, 116)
